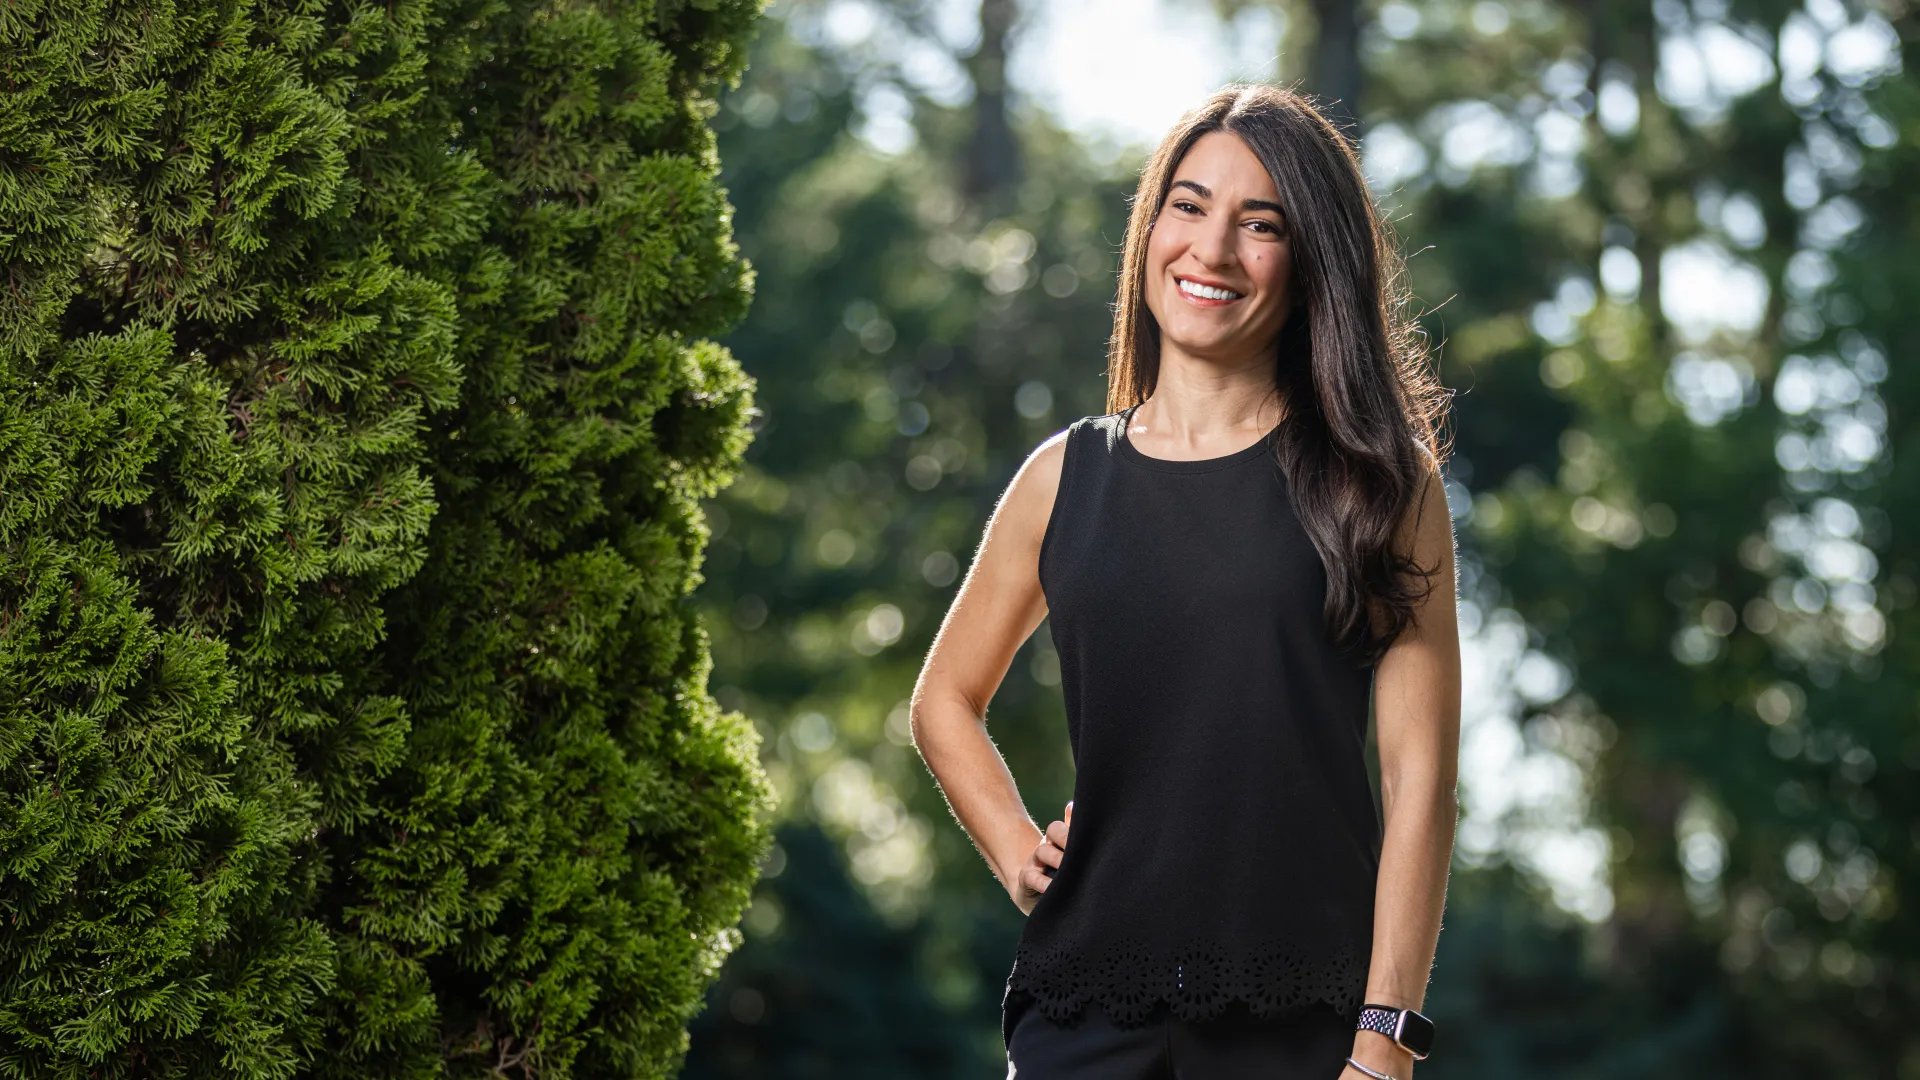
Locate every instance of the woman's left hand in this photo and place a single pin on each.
(1037, 875)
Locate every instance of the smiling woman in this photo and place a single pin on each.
(1250, 550)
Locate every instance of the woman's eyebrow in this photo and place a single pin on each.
(1246, 204)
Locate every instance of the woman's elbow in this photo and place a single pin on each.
(933, 712)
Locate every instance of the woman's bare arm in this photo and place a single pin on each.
(996, 609)
(1416, 692)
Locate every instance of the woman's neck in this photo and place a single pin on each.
(1195, 399)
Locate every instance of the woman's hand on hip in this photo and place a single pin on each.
(1037, 875)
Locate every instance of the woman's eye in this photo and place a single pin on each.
(1185, 206)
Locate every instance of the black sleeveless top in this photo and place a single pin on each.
(1225, 838)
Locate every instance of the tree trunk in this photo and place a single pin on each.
(993, 154)
(1337, 77)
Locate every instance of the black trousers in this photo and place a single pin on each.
(1308, 1044)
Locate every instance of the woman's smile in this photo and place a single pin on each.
(1204, 293)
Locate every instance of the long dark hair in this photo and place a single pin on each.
(1363, 405)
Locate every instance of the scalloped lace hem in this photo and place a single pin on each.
(1196, 981)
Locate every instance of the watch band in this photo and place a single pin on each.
(1378, 1018)
(1410, 1030)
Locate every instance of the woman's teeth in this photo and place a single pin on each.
(1206, 292)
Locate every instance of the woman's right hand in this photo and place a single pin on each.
(1037, 874)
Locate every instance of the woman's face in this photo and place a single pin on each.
(1219, 264)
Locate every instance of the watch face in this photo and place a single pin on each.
(1416, 1033)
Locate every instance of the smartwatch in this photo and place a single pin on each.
(1412, 1031)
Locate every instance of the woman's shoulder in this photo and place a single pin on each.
(1026, 506)
(1101, 430)
(1106, 425)
(1038, 478)
(1046, 462)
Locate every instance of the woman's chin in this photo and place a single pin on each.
(1219, 344)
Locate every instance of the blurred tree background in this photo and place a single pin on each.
(1665, 252)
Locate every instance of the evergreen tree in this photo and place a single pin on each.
(215, 373)
(353, 414)
(558, 860)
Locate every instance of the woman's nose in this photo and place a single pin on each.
(1214, 245)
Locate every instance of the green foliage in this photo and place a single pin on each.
(1725, 580)
(353, 418)
(1713, 571)
(1521, 990)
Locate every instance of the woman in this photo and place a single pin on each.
(1253, 542)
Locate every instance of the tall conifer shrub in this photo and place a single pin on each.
(353, 412)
